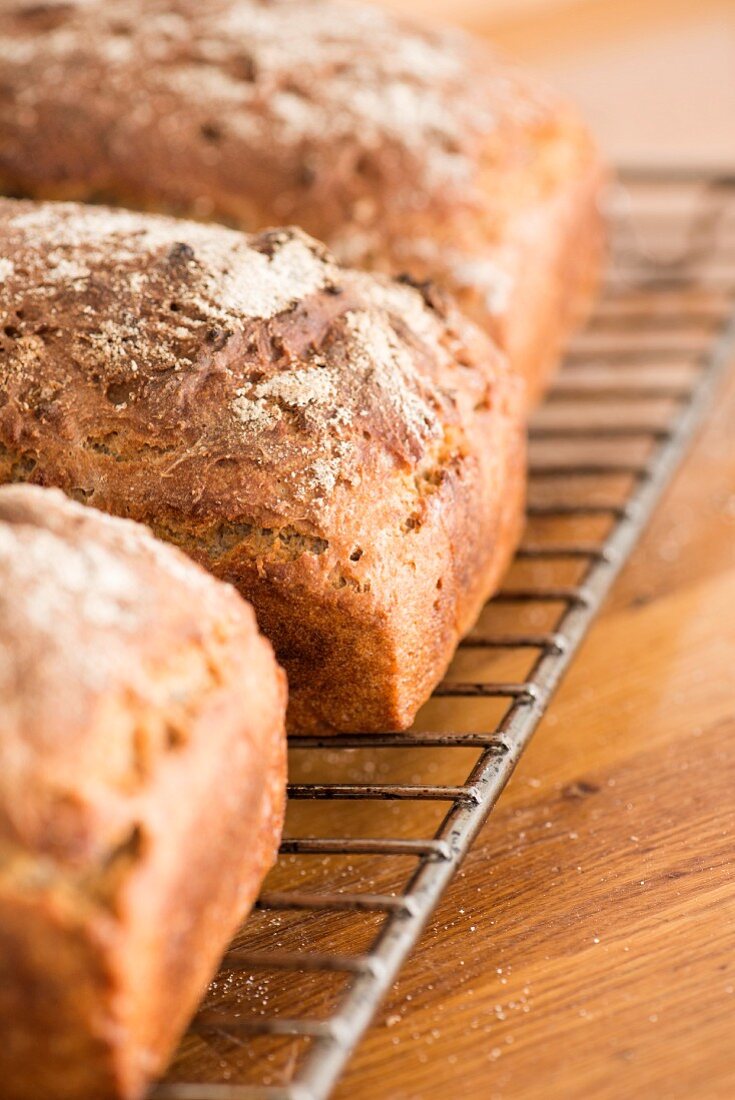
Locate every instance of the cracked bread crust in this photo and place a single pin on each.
(142, 788)
(346, 449)
(404, 148)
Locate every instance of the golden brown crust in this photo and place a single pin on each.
(346, 449)
(555, 251)
(142, 775)
(405, 149)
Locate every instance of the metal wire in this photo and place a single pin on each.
(645, 296)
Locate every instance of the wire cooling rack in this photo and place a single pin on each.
(288, 1007)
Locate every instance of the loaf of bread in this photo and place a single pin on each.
(142, 783)
(404, 149)
(347, 450)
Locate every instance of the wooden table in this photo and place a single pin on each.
(588, 947)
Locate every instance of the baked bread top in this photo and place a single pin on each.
(345, 448)
(142, 788)
(403, 148)
(112, 646)
(248, 388)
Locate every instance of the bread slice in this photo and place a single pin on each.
(142, 784)
(405, 149)
(347, 450)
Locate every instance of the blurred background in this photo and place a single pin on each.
(655, 78)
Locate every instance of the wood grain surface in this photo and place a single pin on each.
(587, 948)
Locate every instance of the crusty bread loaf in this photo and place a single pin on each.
(404, 149)
(142, 781)
(347, 450)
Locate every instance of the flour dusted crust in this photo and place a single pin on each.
(405, 149)
(344, 448)
(142, 781)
